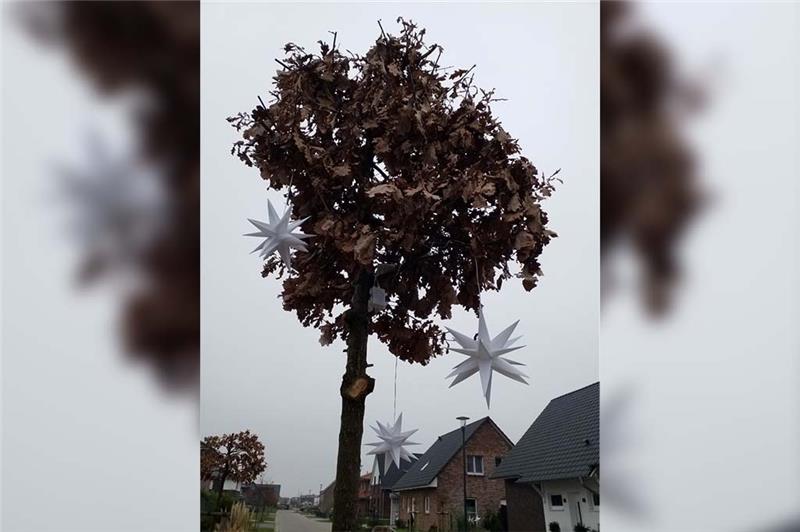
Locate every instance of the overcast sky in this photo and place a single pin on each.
(261, 369)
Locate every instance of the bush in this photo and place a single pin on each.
(209, 501)
(491, 522)
(554, 527)
(580, 527)
(469, 524)
(212, 507)
(400, 524)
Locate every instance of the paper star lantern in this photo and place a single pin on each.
(279, 235)
(485, 356)
(120, 206)
(392, 441)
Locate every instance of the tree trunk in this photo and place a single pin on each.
(221, 486)
(356, 385)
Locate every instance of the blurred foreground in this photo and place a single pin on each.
(100, 265)
(701, 272)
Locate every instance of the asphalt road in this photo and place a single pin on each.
(289, 521)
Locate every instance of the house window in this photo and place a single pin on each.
(427, 505)
(414, 504)
(474, 465)
(595, 499)
(497, 461)
(472, 509)
(556, 501)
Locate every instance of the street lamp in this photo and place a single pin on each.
(463, 420)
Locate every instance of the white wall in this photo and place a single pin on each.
(571, 491)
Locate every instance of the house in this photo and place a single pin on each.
(212, 483)
(363, 503)
(553, 473)
(364, 495)
(326, 499)
(432, 491)
(385, 504)
(261, 495)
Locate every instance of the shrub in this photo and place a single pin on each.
(237, 521)
(554, 527)
(491, 522)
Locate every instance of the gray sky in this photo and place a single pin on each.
(261, 369)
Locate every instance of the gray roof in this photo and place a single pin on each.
(392, 474)
(423, 471)
(563, 442)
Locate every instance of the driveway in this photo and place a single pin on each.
(290, 521)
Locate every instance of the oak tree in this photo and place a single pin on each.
(409, 182)
(237, 456)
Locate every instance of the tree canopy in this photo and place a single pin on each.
(397, 161)
(238, 456)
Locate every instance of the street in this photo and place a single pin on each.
(290, 521)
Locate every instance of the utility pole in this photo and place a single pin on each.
(463, 420)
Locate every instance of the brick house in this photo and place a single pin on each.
(553, 473)
(432, 491)
(384, 504)
(364, 495)
(261, 495)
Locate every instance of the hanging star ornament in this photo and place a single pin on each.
(279, 235)
(393, 440)
(484, 354)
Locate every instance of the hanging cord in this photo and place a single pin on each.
(395, 388)
(477, 281)
(289, 191)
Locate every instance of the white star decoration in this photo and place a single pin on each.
(120, 206)
(485, 356)
(278, 235)
(392, 441)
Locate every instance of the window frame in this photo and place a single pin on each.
(473, 460)
(475, 502)
(556, 508)
(426, 505)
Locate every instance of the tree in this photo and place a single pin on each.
(152, 47)
(649, 186)
(238, 456)
(409, 182)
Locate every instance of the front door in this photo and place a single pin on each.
(394, 508)
(575, 510)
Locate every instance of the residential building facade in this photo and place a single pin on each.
(384, 504)
(553, 473)
(431, 493)
(364, 495)
(261, 495)
(325, 503)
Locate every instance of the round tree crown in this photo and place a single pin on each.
(396, 161)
